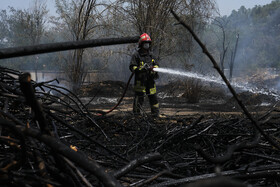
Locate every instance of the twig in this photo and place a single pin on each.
(134, 163)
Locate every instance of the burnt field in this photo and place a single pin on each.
(175, 98)
(51, 136)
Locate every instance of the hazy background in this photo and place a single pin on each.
(255, 22)
(225, 6)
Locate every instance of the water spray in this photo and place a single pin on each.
(195, 76)
(213, 79)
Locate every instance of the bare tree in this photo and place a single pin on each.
(226, 43)
(80, 18)
(153, 17)
(232, 59)
(221, 23)
(36, 21)
(197, 13)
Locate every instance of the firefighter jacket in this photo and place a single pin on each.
(144, 78)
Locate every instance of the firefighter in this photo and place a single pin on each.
(142, 63)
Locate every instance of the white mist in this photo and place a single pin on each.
(201, 77)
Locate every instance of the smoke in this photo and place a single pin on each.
(258, 44)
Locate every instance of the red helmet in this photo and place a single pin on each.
(144, 38)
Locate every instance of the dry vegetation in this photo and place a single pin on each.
(38, 131)
(50, 136)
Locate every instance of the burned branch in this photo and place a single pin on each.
(62, 46)
(78, 153)
(215, 64)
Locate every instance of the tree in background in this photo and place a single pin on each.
(258, 39)
(225, 42)
(154, 18)
(3, 28)
(258, 30)
(80, 19)
(24, 27)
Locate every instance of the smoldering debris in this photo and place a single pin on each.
(54, 140)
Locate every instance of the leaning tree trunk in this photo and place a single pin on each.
(77, 71)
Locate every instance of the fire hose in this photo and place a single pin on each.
(145, 66)
(101, 113)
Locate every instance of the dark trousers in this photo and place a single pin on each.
(139, 100)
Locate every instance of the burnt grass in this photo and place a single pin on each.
(210, 142)
(208, 98)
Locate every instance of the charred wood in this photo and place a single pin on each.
(134, 163)
(126, 155)
(216, 66)
(63, 46)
